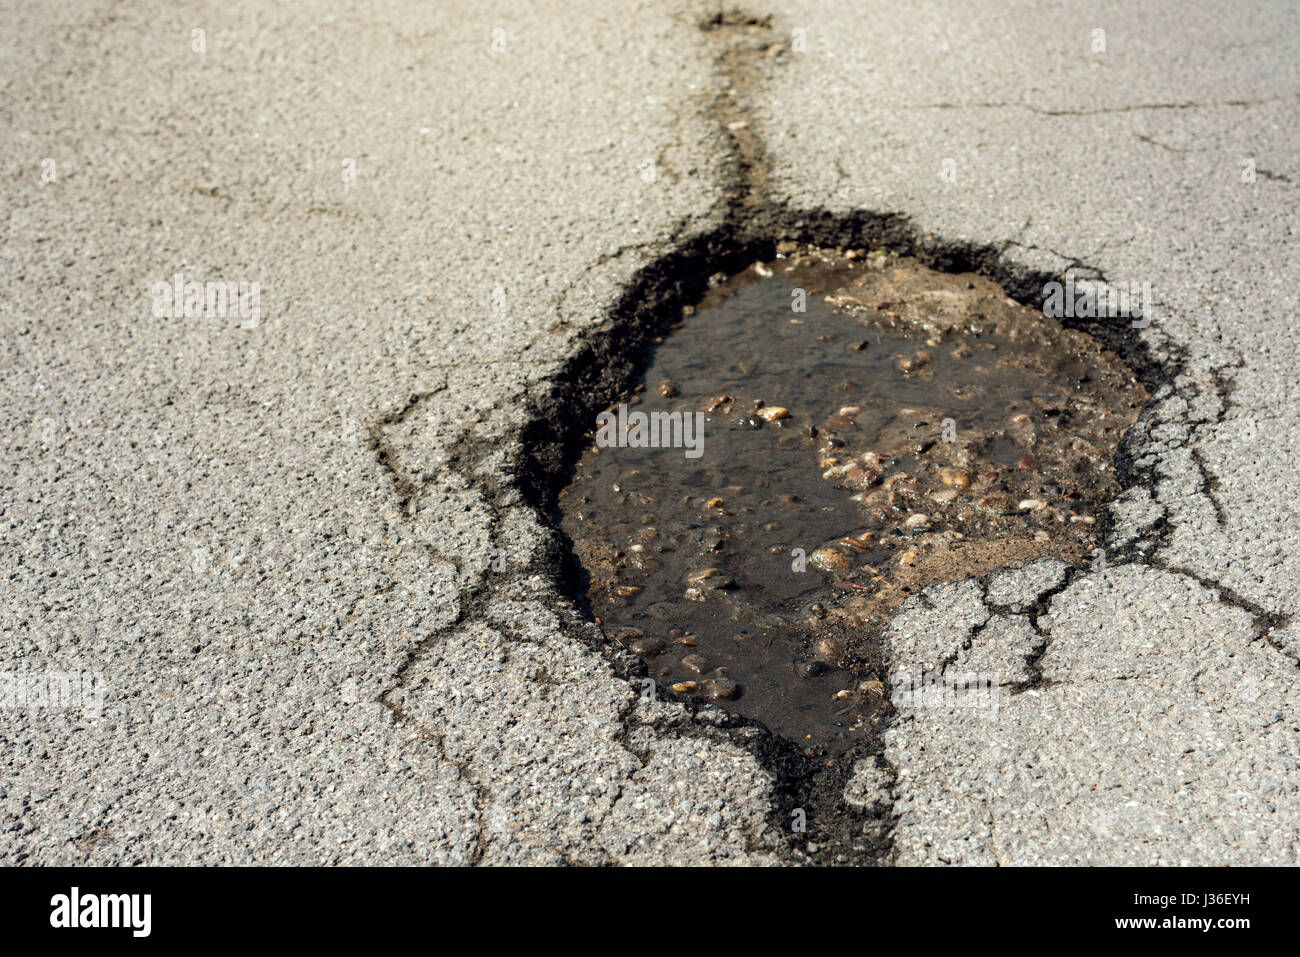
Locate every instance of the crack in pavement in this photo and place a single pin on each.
(555, 408)
(1098, 111)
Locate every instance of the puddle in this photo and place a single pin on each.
(909, 427)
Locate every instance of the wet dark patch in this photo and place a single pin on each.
(908, 427)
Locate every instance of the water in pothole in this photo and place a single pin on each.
(906, 427)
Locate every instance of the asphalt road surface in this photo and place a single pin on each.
(296, 552)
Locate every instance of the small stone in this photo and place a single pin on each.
(1028, 463)
(1031, 504)
(841, 422)
(955, 477)
(668, 388)
(811, 669)
(773, 413)
(829, 560)
(627, 591)
(717, 402)
(872, 687)
(698, 577)
(646, 647)
(723, 689)
(918, 518)
(697, 663)
(714, 503)
(685, 687)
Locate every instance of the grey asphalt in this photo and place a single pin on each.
(325, 615)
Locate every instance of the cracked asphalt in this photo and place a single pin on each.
(306, 553)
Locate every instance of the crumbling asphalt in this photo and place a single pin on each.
(310, 555)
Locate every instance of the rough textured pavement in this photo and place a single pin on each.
(303, 552)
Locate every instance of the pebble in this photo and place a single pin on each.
(723, 689)
(810, 669)
(685, 687)
(627, 591)
(717, 402)
(829, 560)
(646, 647)
(956, 477)
(697, 663)
(773, 413)
(1032, 504)
(918, 518)
(841, 422)
(668, 388)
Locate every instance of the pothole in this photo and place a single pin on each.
(866, 427)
